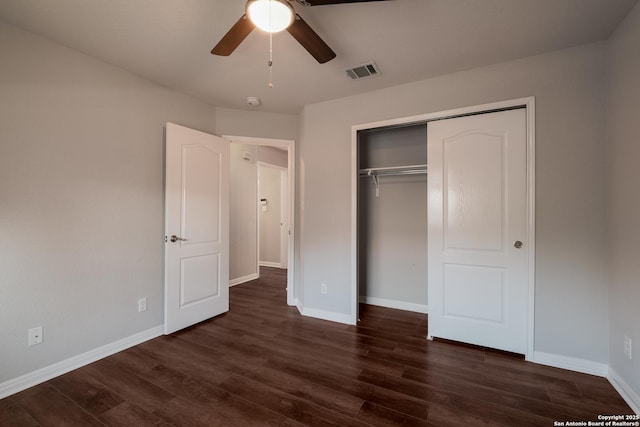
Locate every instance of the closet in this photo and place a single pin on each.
(468, 253)
(392, 217)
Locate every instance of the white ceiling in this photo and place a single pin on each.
(168, 41)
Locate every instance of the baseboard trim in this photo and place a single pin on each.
(624, 390)
(269, 264)
(332, 316)
(571, 363)
(244, 279)
(399, 305)
(294, 303)
(39, 376)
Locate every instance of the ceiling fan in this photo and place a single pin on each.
(277, 15)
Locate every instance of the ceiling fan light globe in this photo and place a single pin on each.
(271, 16)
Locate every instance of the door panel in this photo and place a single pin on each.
(197, 213)
(473, 165)
(462, 296)
(478, 280)
(199, 278)
(201, 168)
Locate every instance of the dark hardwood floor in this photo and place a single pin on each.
(264, 364)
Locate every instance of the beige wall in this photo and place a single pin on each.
(571, 255)
(624, 199)
(243, 222)
(81, 199)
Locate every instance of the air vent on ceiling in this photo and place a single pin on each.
(363, 71)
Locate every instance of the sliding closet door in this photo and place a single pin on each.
(477, 225)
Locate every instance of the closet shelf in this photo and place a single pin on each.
(392, 171)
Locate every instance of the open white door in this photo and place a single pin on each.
(477, 227)
(196, 227)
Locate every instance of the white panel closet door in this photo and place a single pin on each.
(197, 227)
(477, 225)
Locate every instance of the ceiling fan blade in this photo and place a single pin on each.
(234, 37)
(325, 2)
(311, 41)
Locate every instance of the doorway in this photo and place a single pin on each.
(272, 215)
(248, 156)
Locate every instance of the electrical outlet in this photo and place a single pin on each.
(627, 347)
(323, 288)
(35, 336)
(142, 305)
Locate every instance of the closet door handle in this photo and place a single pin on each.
(517, 244)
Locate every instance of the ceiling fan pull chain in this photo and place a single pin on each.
(270, 63)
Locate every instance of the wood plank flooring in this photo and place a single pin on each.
(264, 364)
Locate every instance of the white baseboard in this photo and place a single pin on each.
(571, 363)
(269, 264)
(327, 315)
(625, 390)
(400, 305)
(23, 382)
(244, 279)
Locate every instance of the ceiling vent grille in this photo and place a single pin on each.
(364, 71)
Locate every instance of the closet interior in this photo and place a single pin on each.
(392, 217)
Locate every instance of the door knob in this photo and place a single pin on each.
(175, 238)
(517, 244)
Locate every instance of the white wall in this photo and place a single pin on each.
(571, 256)
(257, 124)
(243, 231)
(81, 199)
(273, 156)
(393, 227)
(269, 189)
(624, 190)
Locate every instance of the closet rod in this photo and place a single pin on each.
(395, 170)
(392, 170)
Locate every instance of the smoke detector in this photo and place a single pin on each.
(254, 101)
(370, 69)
